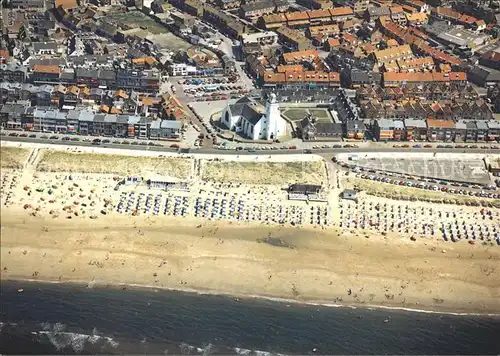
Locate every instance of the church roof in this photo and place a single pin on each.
(251, 114)
(247, 108)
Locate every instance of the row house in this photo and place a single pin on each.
(394, 79)
(415, 39)
(260, 8)
(435, 130)
(229, 4)
(306, 18)
(440, 130)
(294, 39)
(354, 129)
(225, 23)
(86, 123)
(420, 6)
(12, 72)
(419, 109)
(398, 15)
(331, 30)
(415, 130)
(45, 74)
(11, 116)
(306, 79)
(420, 64)
(391, 54)
(388, 130)
(429, 91)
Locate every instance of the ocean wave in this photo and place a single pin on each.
(62, 339)
(248, 352)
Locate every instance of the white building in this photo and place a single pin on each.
(182, 69)
(262, 38)
(253, 120)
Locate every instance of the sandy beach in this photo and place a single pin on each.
(226, 258)
(238, 239)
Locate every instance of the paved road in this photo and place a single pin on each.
(327, 152)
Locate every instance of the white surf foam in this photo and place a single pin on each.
(62, 339)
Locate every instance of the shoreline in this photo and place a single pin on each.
(251, 297)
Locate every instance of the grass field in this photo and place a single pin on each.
(297, 114)
(57, 161)
(276, 173)
(407, 193)
(13, 157)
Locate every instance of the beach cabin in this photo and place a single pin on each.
(160, 182)
(349, 194)
(304, 189)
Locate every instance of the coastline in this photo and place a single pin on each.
(222, 258)
(239, 297)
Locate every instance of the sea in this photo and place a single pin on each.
(71, 319)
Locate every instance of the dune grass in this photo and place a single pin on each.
(13, 157)
(275, 173)
(58, 161)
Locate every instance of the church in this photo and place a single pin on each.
(253, 120)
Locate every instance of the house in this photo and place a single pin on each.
(416, 19)
(482, 130)
(373, 13)
(493, 130)
(12, 72)
(165, 129)
(229, 4)
(484, 77)
(294, 39)
(40, 48)
(402, 52)
(388, 130)
(11, 116)
(354, 78)
(311, 130)
(415, 130)
(355, 129)
(491, 59)
(257, 9)
(470, 131)
(440, 130)
(45, 74)
(253, 120)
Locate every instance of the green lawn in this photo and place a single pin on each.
(298, 114)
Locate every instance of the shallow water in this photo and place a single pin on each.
(57, 318)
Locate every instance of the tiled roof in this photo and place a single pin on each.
(305, 55)
(66, 4)
(274, 18)
(315, 14)
(295, 16)
(40, 68)
(393, 53)
(290, 68)
(341, 11)
(440, 123)
(424, 77)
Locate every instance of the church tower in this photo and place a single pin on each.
(275, 124)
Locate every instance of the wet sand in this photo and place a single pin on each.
(223, 257)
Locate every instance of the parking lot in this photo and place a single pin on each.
(211, 88)
(458, 170)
